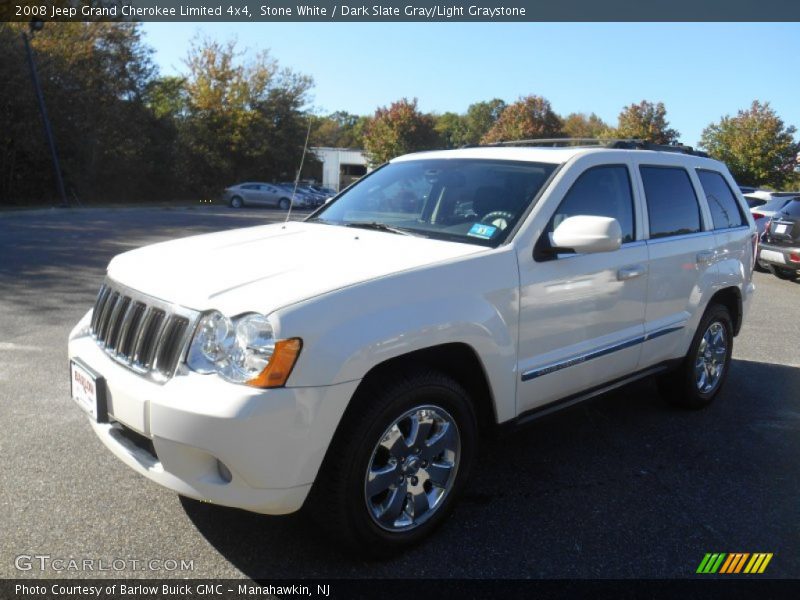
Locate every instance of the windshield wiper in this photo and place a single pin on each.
(378, 227)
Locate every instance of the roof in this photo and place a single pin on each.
(547, 154)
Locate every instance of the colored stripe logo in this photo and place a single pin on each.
(733, 563)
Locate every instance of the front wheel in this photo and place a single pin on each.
(703, 372)
(237, 202)
(284, 204)
(397, 463)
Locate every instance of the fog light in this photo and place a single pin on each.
(224, 472)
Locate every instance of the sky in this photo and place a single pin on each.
(701, 71)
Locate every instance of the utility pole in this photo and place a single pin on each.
(35, 26)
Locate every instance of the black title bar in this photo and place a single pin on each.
(401, 10)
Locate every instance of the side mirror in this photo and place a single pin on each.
(586, 234)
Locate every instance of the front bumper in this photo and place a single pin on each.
(778, 256)
(271, 441)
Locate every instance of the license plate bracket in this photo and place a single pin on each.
(88, 389)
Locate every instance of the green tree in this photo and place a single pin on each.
(530, 117)
(244, 119)
(757, 146)
(398, 129)
(452, 129)
(338, 130)
(646, 121)
(94, 77)
(165, 97)
(480, 118)
(581, 125)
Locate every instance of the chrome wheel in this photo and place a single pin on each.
(412, 468)
(711, 356)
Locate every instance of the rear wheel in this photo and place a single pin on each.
(236, 202)
(284, 204)
(397, 463)
(703, 372)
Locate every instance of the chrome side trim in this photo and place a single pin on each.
(677, 238)
(582, 358)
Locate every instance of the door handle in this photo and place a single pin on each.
(705, 257)
(631, 272)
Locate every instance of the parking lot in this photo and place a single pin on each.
(621, 486)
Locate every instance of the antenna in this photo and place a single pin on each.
(297, 179)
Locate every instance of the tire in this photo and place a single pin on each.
(284, 203)
(236, 202)
(378, 515)
(760, 268)
(703, 372)
(785, 274)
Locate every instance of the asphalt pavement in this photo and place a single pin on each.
(620, 486)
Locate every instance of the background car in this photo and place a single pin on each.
(302, 197)
(763, 206)
(257, 194)
(780, 246)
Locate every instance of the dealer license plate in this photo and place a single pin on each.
(88, 390)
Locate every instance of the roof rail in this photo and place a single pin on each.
(619, 143)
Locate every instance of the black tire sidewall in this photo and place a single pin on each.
(692, 396)
(284, 204)
(236, 202)
(445, 394)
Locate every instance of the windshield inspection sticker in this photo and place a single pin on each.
(479, 230)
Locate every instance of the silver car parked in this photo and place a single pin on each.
(257, 194)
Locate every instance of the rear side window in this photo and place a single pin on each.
(755, 202)
(792, 209)
(725, 211)
(671, 202)
(602, 192)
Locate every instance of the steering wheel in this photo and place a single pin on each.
(498, 218)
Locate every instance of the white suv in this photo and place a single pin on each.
(350, 362)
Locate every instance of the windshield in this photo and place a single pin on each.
(466, 200)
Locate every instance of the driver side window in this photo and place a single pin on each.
(603, 191)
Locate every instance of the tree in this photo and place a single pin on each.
(338, 130)
(646, 121)
(244, 119)
(757, 146)
(452, 129)
(581, 125)
(480, 118)
(398, 129)
(530, 117)
(94, 77)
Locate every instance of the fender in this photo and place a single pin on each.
(347, 332)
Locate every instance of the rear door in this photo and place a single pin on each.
(250, 193)
(735, 237)
(682, 257)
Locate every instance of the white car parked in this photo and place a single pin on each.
(350, 362)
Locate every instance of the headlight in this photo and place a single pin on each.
(242, 350)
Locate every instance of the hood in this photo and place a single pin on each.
(264, 268)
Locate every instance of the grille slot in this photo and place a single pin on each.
(146, 334)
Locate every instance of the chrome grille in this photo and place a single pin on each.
(146, 334)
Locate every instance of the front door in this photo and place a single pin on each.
(582, 315)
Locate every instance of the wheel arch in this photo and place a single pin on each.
(730, 298)
(457, 360)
